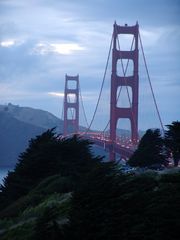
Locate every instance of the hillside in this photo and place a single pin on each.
(14, 137)
(19, 124)
(36, 117)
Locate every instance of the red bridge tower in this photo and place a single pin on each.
(71, 105)
(131, 112)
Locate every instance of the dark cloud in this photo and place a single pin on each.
(88, 25)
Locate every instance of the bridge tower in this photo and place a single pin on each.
(131, 112)
(71, 104)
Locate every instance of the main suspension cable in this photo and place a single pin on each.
(149, 80)
(84, 113)
(124, 73)
(62, 112)
(71, 110)
(100, 93)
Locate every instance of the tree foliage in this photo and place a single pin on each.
(172, 140)
(111, 206)
(47, 226)
(104, 203)
(47, 155)
(150, 150)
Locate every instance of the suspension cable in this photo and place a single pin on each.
(100, 93)
(71, 110)
(124, 73)
(149, 80)
(62, 112)
(84, 113)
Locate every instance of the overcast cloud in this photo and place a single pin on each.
(42, 40)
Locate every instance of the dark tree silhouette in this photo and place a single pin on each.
(33, 164)
(48, 155)
(150, 150)
(172, 140)
(47, 227)
(105, 203)
(116, 206)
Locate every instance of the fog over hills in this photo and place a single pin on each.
(14, 137)
(19, 124)
(36, 117)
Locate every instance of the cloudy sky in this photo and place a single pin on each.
(42, 40)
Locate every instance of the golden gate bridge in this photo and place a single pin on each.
(108, 138)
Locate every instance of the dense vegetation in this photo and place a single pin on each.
(48, 155)
(150, 150)
(59, 190)
(172, 140)
(154, 149)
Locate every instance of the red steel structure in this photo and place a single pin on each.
(131, 112)
(123, 146)
(71, 105)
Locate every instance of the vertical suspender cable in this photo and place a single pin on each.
(154, 99)
(72, 111)
(84, 113)
(101, 87)
(124, 74)
(62, 112)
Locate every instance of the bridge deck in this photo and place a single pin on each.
(123, 147)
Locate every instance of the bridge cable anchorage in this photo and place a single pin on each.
(124, 73)
(84, 112)
(149, 80)
(100, 93)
